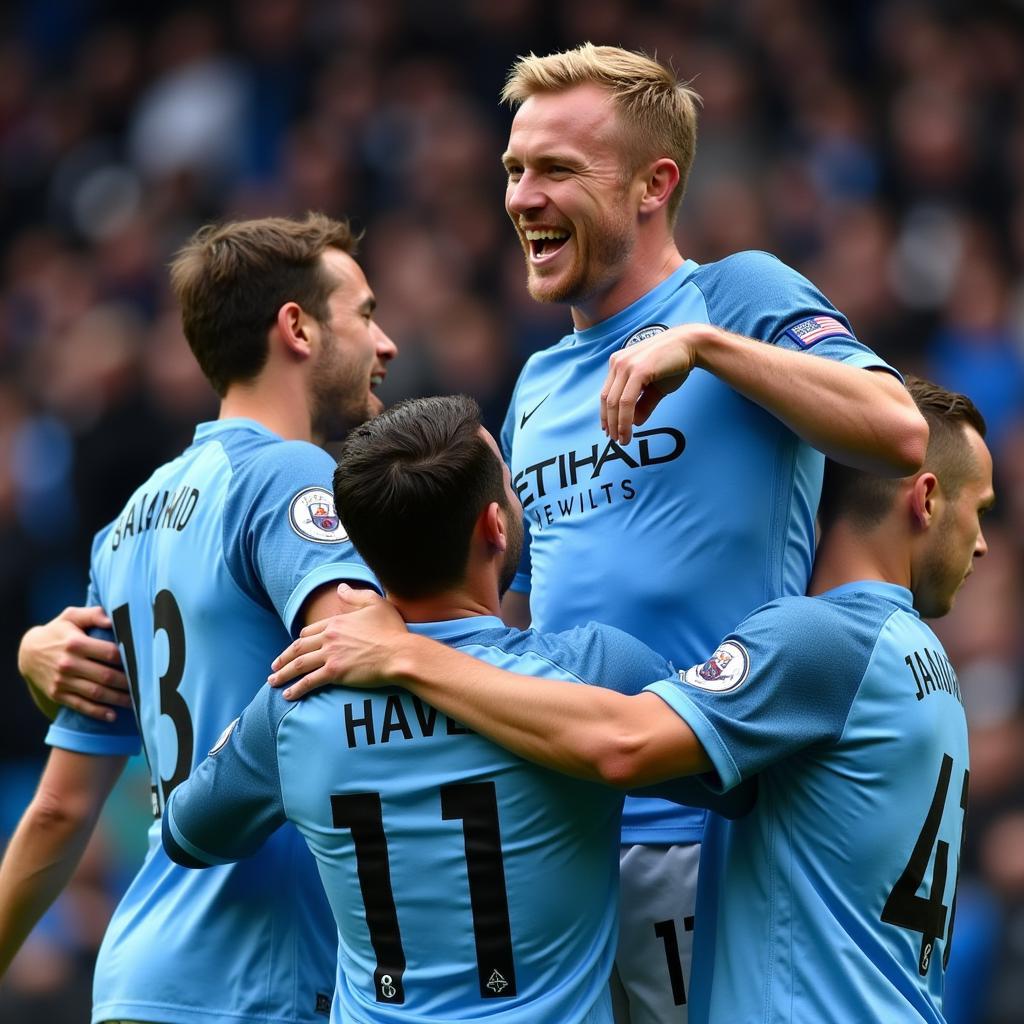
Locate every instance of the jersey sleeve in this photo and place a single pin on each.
(283, 538)
(521, 580)
(232, 802)
(757, 295)
(783, 681)
(82, 734)
(610, 658)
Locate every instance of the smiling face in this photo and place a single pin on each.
(955, 538)
(353, 355)
(571, 194)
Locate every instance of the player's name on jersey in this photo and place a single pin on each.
(933, 673)
(400, 716)
(163, 510)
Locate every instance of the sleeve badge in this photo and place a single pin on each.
(727, 669)
(312, 516)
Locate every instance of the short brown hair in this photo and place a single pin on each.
(232, 279)
(410, 486)
(866, 499)
(658, 110)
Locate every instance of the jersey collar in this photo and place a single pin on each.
(890, 591)
(638, 314)
(456, 629)
(204, 431)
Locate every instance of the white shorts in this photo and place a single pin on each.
(651, 976)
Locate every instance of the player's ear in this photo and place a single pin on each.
(659, 183)
(292, 326)
(924, 499)
(493, 527)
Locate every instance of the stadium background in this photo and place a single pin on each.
(876, 146)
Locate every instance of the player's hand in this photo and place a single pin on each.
(639, 377)
(351, 648)
(62, 664)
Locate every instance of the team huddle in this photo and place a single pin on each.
(629, 715)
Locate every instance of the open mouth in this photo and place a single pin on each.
(376, 380)
(545, 242)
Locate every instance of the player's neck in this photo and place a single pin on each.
(846, 556)
(648, 266)
(285, 414)
(452, 604)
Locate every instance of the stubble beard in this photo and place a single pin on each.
(610, 251)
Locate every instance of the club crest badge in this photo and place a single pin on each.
(312, 515)
(650, 331)
(725, 670)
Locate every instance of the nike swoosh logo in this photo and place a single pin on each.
(527, 415)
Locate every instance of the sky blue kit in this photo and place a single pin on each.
(465, 881)
(204, 575)
(834, 899)
(707, 513)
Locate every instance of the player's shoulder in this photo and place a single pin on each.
(268, 457)
(755, 294)
(595, 653)
(844, 623)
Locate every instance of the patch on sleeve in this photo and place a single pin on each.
(725, 670)
(313, 516)
(814, 329)
(223, 738)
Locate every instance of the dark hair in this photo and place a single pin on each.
(232, 279)
(865, 499)
(410, 486)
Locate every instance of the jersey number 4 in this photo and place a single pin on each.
(475, 803)
(927, 914)
(166, 617)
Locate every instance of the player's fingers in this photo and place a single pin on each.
(610, 398)
(647, 403)
(309, 682)
(100, 712)
(297, 649)
(97, 650)
(93, 693)
(90, 617)
(631, 390)
(355, 599)
(314, 627)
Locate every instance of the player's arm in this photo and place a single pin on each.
(232, 802)
(585, 731)
(860, 417)
(64, 665)
(49, 840)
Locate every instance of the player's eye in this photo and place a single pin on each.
(514, 172)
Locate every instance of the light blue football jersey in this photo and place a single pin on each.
(467, 884)
(706, 514)
(834, 899)
(204, 574)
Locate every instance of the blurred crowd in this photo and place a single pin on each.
(878, 147)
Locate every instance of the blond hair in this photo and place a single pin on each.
(655, 108)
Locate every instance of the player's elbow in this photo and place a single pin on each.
(621, 762)
(63, 812)
(900, 431)
(909, 442)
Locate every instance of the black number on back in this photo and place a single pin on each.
(476, 804)
(927, 914)
(166, 617)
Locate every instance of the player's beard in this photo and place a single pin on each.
(513, 551)
(600, 254)
(341, 397)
